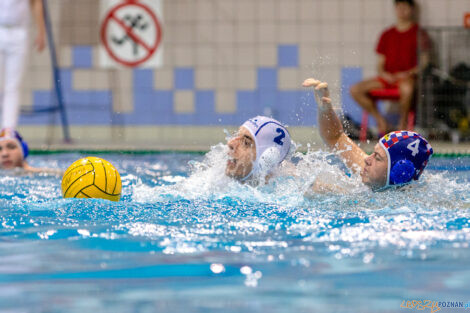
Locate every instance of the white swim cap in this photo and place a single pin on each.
(272, 142)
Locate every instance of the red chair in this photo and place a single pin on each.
(383, 94)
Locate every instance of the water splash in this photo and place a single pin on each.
(180, 227)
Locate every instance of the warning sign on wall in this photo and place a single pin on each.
(131, 33)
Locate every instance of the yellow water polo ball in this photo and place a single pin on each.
(92, 177)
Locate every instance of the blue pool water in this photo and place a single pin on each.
(186, 239)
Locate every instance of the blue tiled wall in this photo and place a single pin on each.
(350, 76)
(83, 107)
(288, 56)
(82, 57)
(184, 78)
(267, 79)
(156, 107)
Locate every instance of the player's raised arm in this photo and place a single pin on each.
(331, 129)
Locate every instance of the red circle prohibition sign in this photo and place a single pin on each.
(111, 16)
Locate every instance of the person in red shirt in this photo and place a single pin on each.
(397, 66)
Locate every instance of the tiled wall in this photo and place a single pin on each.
(224, 60)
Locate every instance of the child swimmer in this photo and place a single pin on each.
(262, 144)
(14, 151)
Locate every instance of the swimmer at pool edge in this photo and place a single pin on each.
(398, 158)
(14, 151)
(257, 149)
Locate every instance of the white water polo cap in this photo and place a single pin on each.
(272, 141)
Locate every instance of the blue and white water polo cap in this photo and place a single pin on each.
(408, 154)
(272, 141)
(8, 133)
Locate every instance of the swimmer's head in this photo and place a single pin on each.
(398, 158)
(13, 149)
(260, 145)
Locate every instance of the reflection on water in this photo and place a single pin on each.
(186, 238)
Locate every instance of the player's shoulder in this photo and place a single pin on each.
(389, 30)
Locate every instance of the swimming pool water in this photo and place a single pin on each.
(184, 238)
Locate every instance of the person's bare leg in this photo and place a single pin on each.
(406, 97)
(360, 91)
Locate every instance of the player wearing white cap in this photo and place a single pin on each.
(258, 148)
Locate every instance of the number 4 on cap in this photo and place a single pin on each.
(413, 146)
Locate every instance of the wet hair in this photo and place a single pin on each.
(410, 2)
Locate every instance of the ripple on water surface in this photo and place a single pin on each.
(183, 221)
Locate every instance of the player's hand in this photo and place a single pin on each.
(322, 93)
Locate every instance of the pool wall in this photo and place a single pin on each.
(222, 62)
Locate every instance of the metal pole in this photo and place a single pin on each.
(56, 73)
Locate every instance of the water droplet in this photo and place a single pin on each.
(246, 270)
(217, 268)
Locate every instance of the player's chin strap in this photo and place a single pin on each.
(249, 174)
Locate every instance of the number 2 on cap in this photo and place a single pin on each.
(413, 146)
(279, 138)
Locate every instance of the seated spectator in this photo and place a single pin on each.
(397, 65)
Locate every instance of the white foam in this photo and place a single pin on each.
(287, 186)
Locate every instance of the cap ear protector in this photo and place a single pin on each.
(272, 142)
(268, 160)
(402, 172)
(24, 146)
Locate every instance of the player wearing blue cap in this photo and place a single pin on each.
(398, 158)
(258, 148)
(14, 151)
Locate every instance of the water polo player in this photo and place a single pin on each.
(14, 151)
(398, 158)
(258, 148)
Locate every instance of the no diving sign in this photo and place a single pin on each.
(131, 33)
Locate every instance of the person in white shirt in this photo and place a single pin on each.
(15, 16)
